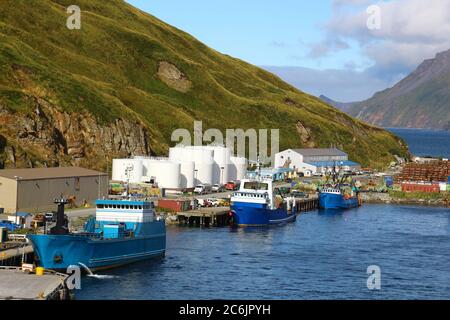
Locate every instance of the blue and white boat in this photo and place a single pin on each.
(122, 232)
(255, 205)
(334, 198)
(337, 195)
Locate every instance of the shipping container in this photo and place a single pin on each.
(420, 187)
(174, 205)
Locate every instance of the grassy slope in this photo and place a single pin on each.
(109, 68)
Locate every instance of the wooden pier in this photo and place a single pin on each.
(219, 216)
(205, 217)
(307, 204)
(18, 285)
(16, 255)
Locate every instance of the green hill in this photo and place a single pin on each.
(126, 80)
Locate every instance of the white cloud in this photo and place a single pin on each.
(411, 30)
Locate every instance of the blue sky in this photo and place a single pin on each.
(323, 46)
(267, 32)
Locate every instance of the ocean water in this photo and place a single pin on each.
(425, 142)
(321, 256)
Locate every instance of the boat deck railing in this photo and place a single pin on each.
(96, 235)
(250, 194)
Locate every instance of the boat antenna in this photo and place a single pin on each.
(334, 172)
(99, 185)
(128, 170)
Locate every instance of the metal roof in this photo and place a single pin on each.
(48, 173)
(22, 214)
(310, 152)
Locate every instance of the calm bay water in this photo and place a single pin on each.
(425, 142)
(320, 256)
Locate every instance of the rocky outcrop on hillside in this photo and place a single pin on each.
(50, 137)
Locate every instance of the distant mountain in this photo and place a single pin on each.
(421, 100)
(343, 106)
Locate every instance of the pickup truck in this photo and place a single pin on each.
(202, 189)
(217, 188)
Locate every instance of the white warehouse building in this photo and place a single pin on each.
(185, 167)
(314, 160)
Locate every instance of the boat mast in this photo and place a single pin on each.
(61, 227)
(258, 168)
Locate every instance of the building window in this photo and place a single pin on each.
(77, 184)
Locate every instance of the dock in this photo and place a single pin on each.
(219, 216)
(18, 285)
(205, 217)
(16, 255)
(307, 204)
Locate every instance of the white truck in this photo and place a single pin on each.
(202, 189)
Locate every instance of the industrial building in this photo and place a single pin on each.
(186, 167)
(33, 190)
(314, 160)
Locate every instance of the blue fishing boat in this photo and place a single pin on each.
(337, 195)
(256, 205)
(122, 232)
(334, 198)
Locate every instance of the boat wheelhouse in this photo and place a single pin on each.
(256, 205)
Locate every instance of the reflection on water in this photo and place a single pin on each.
(323, 255)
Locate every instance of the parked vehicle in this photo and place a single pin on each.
(318, 174)
(202, 189)
(232, 185)
(217, 188)
(224, 202)
(214, 202)
(299, 194)
(50, 217)
(203, 203)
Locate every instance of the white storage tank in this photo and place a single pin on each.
(127, 170)
(203, 173)
(167, 173)
(146, 161)
(239, 167)
(177, 153)
(232, 172)
(203, 158)
(221, 164)
(187, 172)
